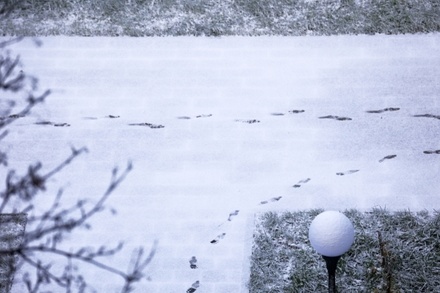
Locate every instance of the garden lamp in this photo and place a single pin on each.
(331, 234)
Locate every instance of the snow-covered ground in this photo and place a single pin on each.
(208, 161)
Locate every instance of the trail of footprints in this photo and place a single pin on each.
(193, 262)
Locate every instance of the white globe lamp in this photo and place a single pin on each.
(331, 234)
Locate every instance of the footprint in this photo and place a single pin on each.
(204, 116)
(147, 124)
(61, 125)
(198, 116)
(427, 116)
(296, 111)
(335, 118)
(218, 238)
(432, 152)
(52, 123)
(194, 287)
(44, 123)
(96, 118)
(387, 158)
(383, 110)
(273, 199)
(347, 172)
(234, 213)
(193, 263)
(248, 121)
(392, 109)
(13, 116)
(298, 185)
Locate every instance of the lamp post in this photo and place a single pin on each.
(331, 234)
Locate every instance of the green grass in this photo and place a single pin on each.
(220, 17)
(392, 252)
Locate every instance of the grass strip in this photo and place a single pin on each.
(219, 17)
(393, 252)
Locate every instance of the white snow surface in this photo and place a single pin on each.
(189, 176)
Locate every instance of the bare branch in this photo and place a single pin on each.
(32, 102)
(138, 266)
(10, 42)
(60, 224)
(24, 187)
(43, 271)
(3, 134)
(69, 255)
(28, 185)
(75, 153)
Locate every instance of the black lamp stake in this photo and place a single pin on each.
(332, 263)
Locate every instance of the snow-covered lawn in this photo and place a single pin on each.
(250, 124)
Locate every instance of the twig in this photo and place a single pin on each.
(29, 184)
(69, 255)
(386, 263)
(135, 274)
(75, 153)
(33, 101)
(41, 268)
(10, 42)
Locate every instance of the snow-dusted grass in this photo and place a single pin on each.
(217, 17)
(392, 252)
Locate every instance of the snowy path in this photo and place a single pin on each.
(250, 124)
